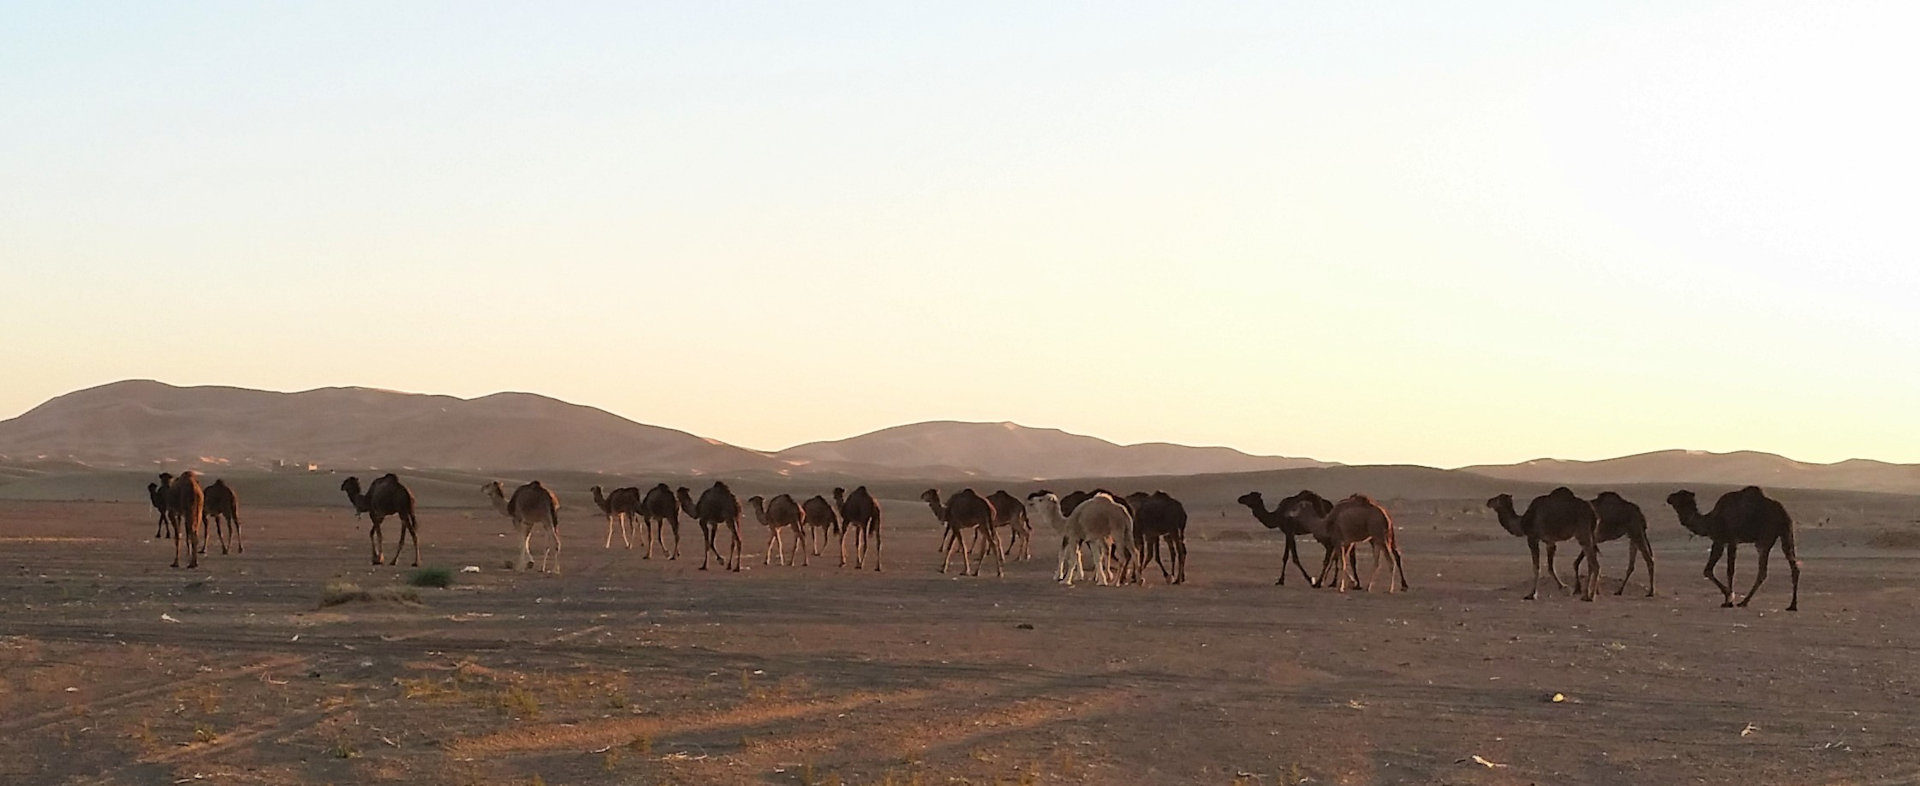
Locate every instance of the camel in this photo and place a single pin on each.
(660, 509)
(621, 508)
(1010, 513)
(820, 519)
(1553, 517)
(1292, 529)
(1159, 517)
(386, 496)
(532, 507)
(1100, 520)
(1072, 500)
(186, 504)
(1348, 523)
(965, 510)
(1744, 516)
(223, 511)
(1621, 518)
(157, 494)
(778, 514)
(859, 516)
(717, 506)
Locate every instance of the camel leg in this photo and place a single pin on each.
(610, 526)
(1646, 553)
(801, 543)
(1633, 556)
(993, 542)
(1379, 559)
(526, 549)
(1286, 552)
(1733, 554)
(1551, 573)
(734, 548)
(1793, 564)
(1179, 543)
(1534, 547)
(1592, 552)
(773, 541)
(873, 535)
(1713, 558)
(1326, 565)
(1766, 550)
(176, 549)
(373, 535)
(554, 532)
(401, 544)
(1399, 566)
(675, 521)
(411, 526)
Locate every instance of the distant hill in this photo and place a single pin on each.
(141, 424)
(1009, 450)
(1729, 469)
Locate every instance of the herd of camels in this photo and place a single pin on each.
(1123, 533)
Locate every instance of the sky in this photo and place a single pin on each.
(1368, 232)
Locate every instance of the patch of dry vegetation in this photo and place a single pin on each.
(341, 592)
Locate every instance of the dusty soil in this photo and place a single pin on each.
(116, 669)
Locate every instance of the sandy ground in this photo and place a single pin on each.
(116, 669)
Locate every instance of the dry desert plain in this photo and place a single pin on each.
(116, 669)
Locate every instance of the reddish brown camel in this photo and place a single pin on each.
(1348, 523)
(223, 513)
(186, 504)
(1744, 516)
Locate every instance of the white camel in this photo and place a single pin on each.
(1101, 521)
(532, 507)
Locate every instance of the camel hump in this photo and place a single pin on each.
(1360, 499)
(1562, 491)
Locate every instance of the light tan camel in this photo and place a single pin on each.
(1098, 520)
(532, 507)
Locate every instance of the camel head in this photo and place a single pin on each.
(166, 478)
(930, 496)
(1502, 507)
(1687, 507)
(1042, 505)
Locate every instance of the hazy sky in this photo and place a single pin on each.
(1439, 233)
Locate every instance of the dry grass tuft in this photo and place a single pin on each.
(339, 592)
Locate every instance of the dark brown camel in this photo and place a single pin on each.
(965, 510)
(1621, 518)
(1011, 513)
(386, 496)
(186, 504)
(717, 507)
(157, 494)
(1744, 516)
(1349, 523)
(222, 511)
(1553, 517)
(819, 518)
(1292, 529)
(1159, 517)
(659, 509)
(780, 513)
(622, 509)
(860, 516)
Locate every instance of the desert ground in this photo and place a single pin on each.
(116, 669)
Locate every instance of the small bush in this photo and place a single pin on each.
(431, 577)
